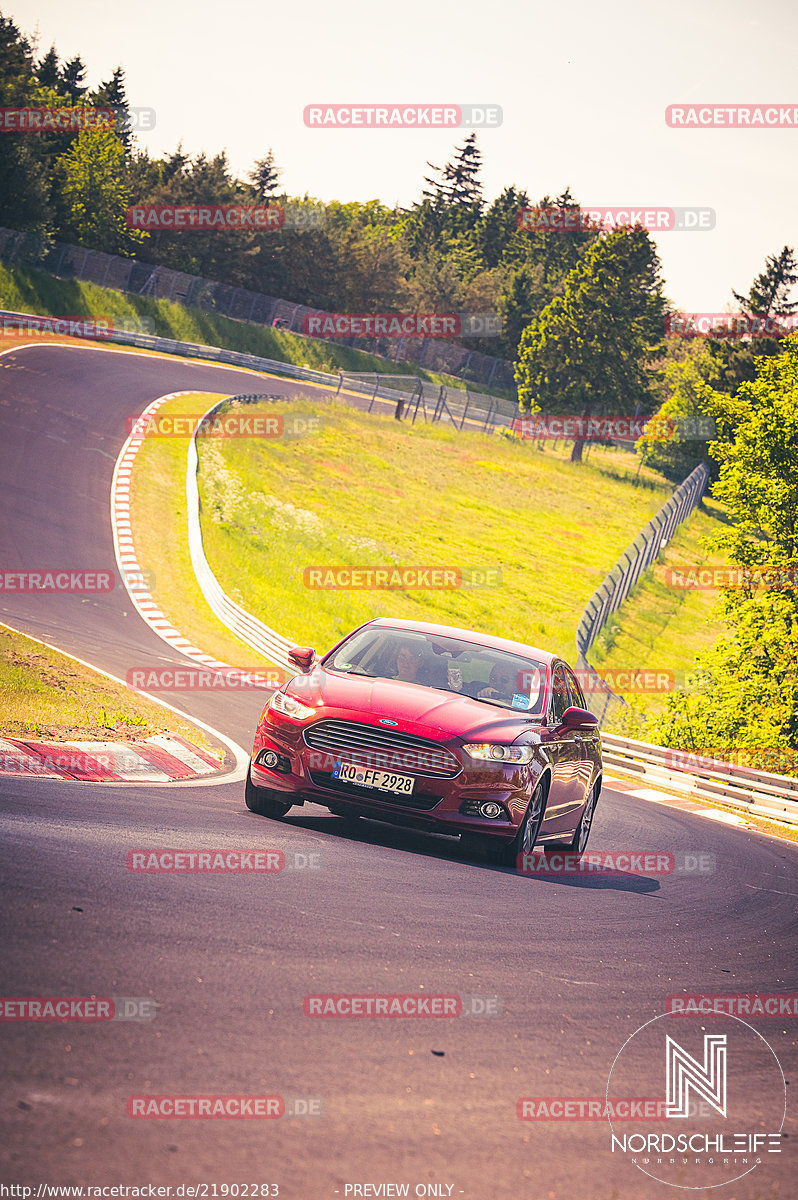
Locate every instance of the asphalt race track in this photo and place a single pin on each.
(578, 963)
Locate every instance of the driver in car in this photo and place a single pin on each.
(500, 685)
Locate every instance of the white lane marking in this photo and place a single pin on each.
(560, 979)
(773, 891)
(241, 757)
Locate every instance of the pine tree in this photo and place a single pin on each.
(112, 94)
(72, 78)
(47, 72)
(769, 291)
(265, 175)
(458, 184)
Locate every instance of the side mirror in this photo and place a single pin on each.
(578, 718)
(303, 656)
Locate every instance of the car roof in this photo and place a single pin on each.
(488, 640)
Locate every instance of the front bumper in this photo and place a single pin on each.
(436, 804)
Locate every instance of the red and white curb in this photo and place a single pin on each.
(685, 805)
(159, 759)
(135, 578)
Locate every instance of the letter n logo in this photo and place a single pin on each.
(684, 1072)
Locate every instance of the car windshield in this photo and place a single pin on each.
(446, 663)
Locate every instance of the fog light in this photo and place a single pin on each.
(273, 761)
(489, 808)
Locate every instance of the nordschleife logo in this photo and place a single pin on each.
(724, 1103)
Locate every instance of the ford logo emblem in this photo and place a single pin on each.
(385, 721)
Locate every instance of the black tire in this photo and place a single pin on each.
(264, 802)
(527, 835)
(578, 843)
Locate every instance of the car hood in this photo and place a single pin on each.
(418, 710)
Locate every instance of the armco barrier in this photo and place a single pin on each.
(757, 792)
(625, 574)
(458, 404)
(273, 646)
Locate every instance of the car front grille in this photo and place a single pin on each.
(382, 749)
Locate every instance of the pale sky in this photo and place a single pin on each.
(583, 87)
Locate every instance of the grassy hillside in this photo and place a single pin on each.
(24, 289)
(364, 491)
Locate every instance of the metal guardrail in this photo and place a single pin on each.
(273, 646)
(489, 411)
(625, 574)
(760, 793)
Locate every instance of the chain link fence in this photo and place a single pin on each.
(623, 577)
(162, 283)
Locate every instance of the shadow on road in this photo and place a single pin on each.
(367, 832)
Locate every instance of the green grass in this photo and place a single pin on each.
(49, 696)
(365, 491)
(26, 289)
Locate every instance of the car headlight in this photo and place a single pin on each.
(289, 707)
(493, 753)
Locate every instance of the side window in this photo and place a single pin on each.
(577, 697)
(560, 699)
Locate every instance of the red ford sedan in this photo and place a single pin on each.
(436, 728)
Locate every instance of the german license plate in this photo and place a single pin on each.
(383, 781)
